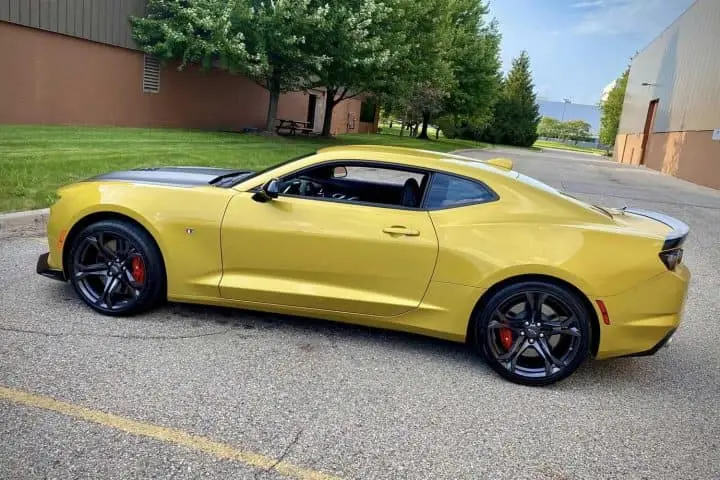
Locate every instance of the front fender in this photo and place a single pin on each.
(184, 222)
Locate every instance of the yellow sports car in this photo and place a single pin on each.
(404, 239)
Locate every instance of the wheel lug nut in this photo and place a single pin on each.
(532, 341)
(522, 333)
(527, 324)
(541, 335)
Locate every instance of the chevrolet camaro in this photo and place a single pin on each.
(430, 243)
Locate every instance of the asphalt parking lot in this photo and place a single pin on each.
(187, 392)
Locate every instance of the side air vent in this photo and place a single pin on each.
(151, 74)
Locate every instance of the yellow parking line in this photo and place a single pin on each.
(170, 435)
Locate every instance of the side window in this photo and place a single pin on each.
(381, 175)
(357, 182)
(448, 190)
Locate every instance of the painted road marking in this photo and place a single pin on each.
(174, 436)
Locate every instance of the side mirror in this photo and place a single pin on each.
(339, 172)
(270, 190)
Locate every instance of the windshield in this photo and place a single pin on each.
(271, 167)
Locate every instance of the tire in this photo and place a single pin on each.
(116, 268)
(531, 348)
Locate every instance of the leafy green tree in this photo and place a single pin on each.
(267, 41)
(612, 110)
(577, 130)
(470, 51)
(550, 128)
(417, 88)
(364, 47)
(516, 114)
(476, 68)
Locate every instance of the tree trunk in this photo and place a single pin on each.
(437, 133)
(402, 128)
(390, 127)
(329, 106)
(425, 121)
(274, 89)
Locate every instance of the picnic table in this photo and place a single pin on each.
(294, 126)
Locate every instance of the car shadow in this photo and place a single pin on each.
(335, 332)
(615, 372)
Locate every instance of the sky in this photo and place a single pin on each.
(577, 47)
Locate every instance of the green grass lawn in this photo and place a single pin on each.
(36, 160)
(564, 146)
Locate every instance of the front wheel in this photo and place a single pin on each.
(116, 268)
(533, 333)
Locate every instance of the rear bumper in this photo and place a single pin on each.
(44, 269)
(662, 343)
(644, 319)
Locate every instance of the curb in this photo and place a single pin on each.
(32, 223)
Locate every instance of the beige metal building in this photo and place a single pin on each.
(672, 103)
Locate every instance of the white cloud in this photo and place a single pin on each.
(643, 17)
(589, 4)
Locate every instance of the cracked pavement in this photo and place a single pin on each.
(355, 402)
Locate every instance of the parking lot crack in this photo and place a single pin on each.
(285, 452)
(131, 337)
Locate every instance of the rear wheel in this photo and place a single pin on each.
(116, 268)
(533, 333)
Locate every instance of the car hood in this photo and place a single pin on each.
(173, 176)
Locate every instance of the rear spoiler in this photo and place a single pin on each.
(680, 230)
(504, 163)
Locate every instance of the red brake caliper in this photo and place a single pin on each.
(506, 338)
(138, 270)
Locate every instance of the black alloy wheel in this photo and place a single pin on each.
(116, 268)
(533, 333)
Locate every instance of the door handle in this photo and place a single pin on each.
(400, 230)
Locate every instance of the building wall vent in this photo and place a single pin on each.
(151, 74)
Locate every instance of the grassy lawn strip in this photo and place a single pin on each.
(36, 160)
(563, 146)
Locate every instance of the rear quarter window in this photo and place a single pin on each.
(451, 191)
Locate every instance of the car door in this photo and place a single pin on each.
(327, 255)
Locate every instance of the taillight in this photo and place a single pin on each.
(671, 258)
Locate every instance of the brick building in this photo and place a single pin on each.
(74, 62)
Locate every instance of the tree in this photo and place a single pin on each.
(550, 128)
(516, 114)
(612, 110)
(577, 130)
(364, 46)
(476, 66)
(470, 51)
(265, 41)
(423, 76)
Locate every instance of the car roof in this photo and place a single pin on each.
(418, 158)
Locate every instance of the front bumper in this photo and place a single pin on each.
(44, 269)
